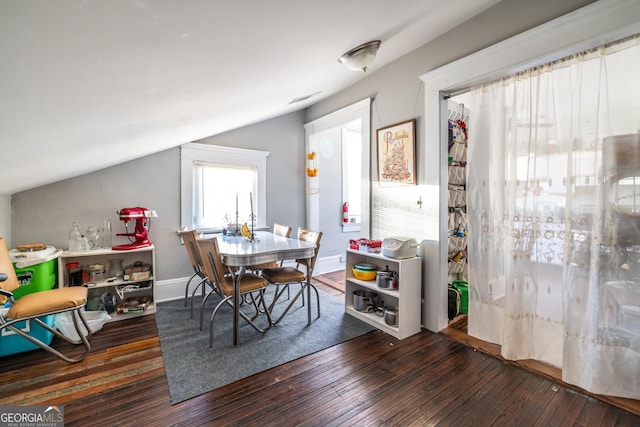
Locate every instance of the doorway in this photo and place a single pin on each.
(591, 26)
(337, 172)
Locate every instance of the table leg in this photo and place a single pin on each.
(236, 304)
(308, 293)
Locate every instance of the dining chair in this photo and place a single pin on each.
(278, 230)
(199, 278)
(284, 276)
(32, 307)
(223, 279)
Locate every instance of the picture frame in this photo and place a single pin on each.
(396, 150)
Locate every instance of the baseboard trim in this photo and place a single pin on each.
(329, 264)
(171, 289)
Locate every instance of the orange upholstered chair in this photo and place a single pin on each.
(33, 306)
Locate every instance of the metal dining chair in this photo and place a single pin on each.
(278, 230)
(222, 281)
(284, 276)
(199, 278)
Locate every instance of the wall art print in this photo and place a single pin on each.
(396, 146)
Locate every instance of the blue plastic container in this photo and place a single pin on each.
(13, 343)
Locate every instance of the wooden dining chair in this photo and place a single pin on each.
(284, 276)
(223, 279)
(34, 306)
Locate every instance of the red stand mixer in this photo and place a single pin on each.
(141, 216)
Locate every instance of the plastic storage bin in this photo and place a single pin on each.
(95, 320)
(36, 271)
(12, 343)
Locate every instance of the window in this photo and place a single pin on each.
(218, 181)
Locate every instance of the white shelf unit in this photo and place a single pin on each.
(406, 299)
(121, 289)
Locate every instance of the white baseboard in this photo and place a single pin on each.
(167, 290)
(329, 264)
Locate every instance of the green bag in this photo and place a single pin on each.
(455, 297)
(463, 287)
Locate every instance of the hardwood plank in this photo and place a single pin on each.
(538, 368)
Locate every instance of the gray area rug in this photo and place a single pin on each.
(193, 369)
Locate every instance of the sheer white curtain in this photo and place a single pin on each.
(554, 233)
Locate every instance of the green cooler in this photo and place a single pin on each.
(36, 270)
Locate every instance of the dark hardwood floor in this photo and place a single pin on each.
(427, 379)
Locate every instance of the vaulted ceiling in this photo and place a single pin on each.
(87, 84)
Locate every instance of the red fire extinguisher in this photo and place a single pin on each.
(345, 212)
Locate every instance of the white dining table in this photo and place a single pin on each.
(240, 252)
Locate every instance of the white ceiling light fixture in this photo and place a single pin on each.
(361, 57)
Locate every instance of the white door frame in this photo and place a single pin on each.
(593, 25)
(359, 110)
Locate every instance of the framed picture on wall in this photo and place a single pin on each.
(396, 145)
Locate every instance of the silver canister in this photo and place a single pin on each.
(363, 299)
(391, 316)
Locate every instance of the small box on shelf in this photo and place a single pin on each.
(366, 245)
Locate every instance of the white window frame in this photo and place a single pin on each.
(196, 152)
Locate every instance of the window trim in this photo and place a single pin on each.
(193, 152)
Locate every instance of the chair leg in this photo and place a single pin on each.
(84, 339)
(242, 314)
(277, 294)
(213, 315)
(286, 310)
(255, 305)
(300, 294)
(186, 288)
(201, 284)
(253, 325)
(266, 310)
(204, 301)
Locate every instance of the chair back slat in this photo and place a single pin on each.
(313, 237)
(281, 230)
(212, 265)
(189, 238)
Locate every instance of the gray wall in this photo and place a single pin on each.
(45, 213)
(5, 219)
